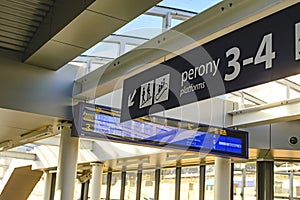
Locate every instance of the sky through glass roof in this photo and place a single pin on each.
(190, 5)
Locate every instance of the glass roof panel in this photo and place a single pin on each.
(295, 79)
(275, 91)
(294, 94)
(238, 99)
(175, 22)
(268, 92)
(104, 49)
(191, 5)
(144, 26)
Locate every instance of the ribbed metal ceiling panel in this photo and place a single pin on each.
(19, 20)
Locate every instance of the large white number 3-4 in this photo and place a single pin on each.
(233, 63)
(265, 48)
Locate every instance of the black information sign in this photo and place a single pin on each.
(263, 51)
(103, 123)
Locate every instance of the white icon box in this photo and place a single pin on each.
(161, 92)
(146, 97)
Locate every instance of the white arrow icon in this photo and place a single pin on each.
(130, 99)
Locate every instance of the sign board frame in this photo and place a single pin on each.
(260, 52)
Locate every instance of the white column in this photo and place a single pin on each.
(96, 181)
(222, 178)
(67, 165)
(47, 187)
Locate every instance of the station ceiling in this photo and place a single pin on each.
(50, 33)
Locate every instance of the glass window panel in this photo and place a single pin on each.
(167, 183)
(144, 26)
(189, 183)
(103, 186)
(286, 167)
(130, 185)
(237, 184)
(286, 175)
(296, 185)
(244, 181)
(209, 182)
(281, 185)
(250, 187)
(115, 189)
(148, 184)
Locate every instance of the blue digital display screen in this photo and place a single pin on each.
(104, 123)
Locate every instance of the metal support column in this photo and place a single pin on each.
(222, 178)
(167, 20)
(109, 176)
(177, 183)
(67, 165)
(202, 182)
(291, 185)
(85, 190)
(122, 48)
(96, 181)
(123, 184)
(139, 185)
(53, 181)
(265, 180)
(232, 182)
(47, 187)
(157, 182)
(243, 183)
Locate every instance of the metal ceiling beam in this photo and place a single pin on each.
(19, 19)
(15, 36)
(29, 5)
(16, 30)
(219, 20)
(18, 155)
(264, 114)
(15, 11)
(17, 25)
(23, 7)
(55, 140)
(47, 2)
(11, 46)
